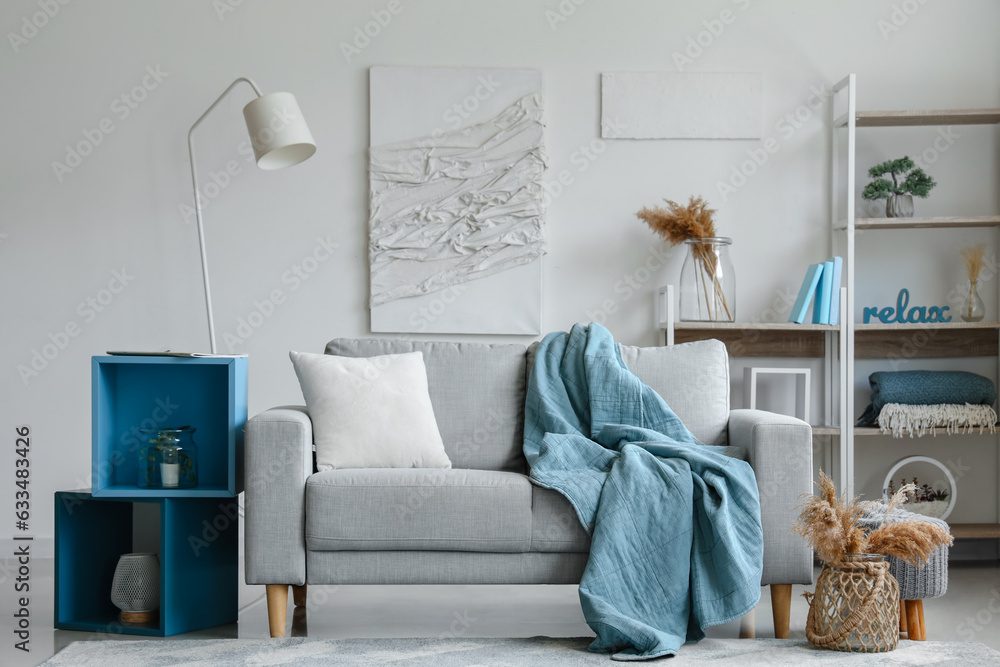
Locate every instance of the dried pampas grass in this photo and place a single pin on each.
(973, 256)
(677, 224)
(832, 526)
(830, 523)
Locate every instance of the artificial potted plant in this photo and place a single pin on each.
(907, 180)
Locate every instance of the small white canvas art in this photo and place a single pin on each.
(669, 105)
(456, 200)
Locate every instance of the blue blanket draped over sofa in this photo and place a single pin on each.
(676, 535)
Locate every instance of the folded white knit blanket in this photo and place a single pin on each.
(917, 420)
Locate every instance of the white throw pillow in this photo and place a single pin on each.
(370, 413)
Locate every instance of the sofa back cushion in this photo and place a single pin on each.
(693, 378)
(477, 392)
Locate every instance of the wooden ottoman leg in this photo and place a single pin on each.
(912, 620)
(277, 608)
(299, 595)
(920, 615)
(902, 616)
(781, 608)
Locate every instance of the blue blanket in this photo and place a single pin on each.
(926, 388)
(675, 525)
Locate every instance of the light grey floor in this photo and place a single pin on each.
(970, 612)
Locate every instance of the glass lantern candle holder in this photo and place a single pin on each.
(708, 283)
(168, 459)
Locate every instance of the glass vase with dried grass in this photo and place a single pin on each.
(708, 282)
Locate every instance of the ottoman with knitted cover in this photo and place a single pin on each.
(915, 583)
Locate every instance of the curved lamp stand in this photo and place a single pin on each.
(280, 138)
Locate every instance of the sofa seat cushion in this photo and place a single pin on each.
(413, 509)
(555, 527)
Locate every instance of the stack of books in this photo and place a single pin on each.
(821, 287)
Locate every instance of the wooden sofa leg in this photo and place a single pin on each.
(277, 608)
(748, 626)
(781, 608)
(299, 595)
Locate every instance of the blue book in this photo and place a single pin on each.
(821, 311)
(838, 265)
(806, 293)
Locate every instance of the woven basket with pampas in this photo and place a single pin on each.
(856, 603)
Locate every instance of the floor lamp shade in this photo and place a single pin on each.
(278, 131)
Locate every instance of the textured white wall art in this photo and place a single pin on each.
(456, 200)
(667, 105)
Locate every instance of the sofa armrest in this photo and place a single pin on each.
(779, 450)
(278, 455)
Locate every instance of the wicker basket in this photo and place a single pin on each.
(855, 607)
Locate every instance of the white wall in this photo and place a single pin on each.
(119, 209)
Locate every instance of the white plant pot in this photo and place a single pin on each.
(899, 206)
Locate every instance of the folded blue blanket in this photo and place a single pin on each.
(926, 388)
(676, 539)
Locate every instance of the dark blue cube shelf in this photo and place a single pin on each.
(198, 562)
(133, 392)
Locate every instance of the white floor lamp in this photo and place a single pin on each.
(280, 138)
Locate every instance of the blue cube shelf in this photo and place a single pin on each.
(133, 392)
(198, 562)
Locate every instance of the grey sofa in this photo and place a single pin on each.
(483, 521)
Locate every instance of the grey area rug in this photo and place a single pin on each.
(494, 652)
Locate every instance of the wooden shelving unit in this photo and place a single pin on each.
(970, 531)
(911, 118)
(939, 433)
(935, 222)
(840, 346)
(768, 339)
(897, 341)
(926, 341)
